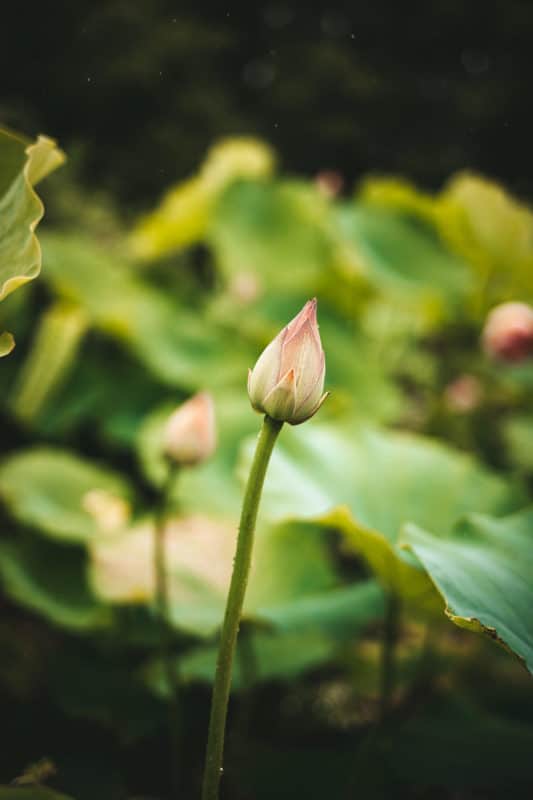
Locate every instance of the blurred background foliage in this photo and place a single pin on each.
(213, 186)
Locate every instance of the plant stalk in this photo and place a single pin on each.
(230, 627)
(166, 635)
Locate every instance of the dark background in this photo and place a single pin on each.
(136, 91)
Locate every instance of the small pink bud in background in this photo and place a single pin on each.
(287, 382)
(329, 183)
(190, 435)
(463, 394)
(508, 332)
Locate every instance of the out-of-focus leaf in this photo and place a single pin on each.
(7, 343)
(275, 657)
(181, 348)
(405, 261)
(22, 165)
(518, 434)
(274, 232)
(483, 569)
(50, 580)
(184, 212)
(293, 584)
(498, 230)
(339, 612)
(199, 557)
(369, 484)
(54, 348)
(480, 222)
(61, 495)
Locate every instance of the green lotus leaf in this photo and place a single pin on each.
(61, 495)
(293, 584)
(22, 165)
(274, 233)
(482, 568)
(404, 260)
(50, 580)
(178, 346)
(183, 215)
(369, 484)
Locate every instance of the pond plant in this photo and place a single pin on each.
(151, 565)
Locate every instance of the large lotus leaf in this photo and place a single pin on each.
(369, 484)
(181, 348)
(496, 225)
(184, 212)
(293, 585)
(483, 569)
(50, 580)
(61, 495)
(199, 555)
(405, 261)
(479, 221)
(273, 232)
(22, 165)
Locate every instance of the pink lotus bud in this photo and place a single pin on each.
(287, 383)
(190, 435)
(508, 332)
(329, 183)
(463, 394)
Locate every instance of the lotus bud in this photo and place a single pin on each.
(190, 435)
(287, 382)
(508, 332)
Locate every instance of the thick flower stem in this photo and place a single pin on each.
(237, 590)
(162, 602)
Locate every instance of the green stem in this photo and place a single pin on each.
(230, 626)
(162, 602)
(388, 654)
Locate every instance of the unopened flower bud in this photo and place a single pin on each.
(329, 183)
(508, 332)
(190, 435)
(463, 394)
(287, 382)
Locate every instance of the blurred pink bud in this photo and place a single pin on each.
(190, 435)
(508, 332)
(329, 182)
(287, 383)
(463, 394)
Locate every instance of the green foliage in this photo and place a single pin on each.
(483, 568)
(374, 498)
(61, 495)
(22, 165)
(370, 484)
